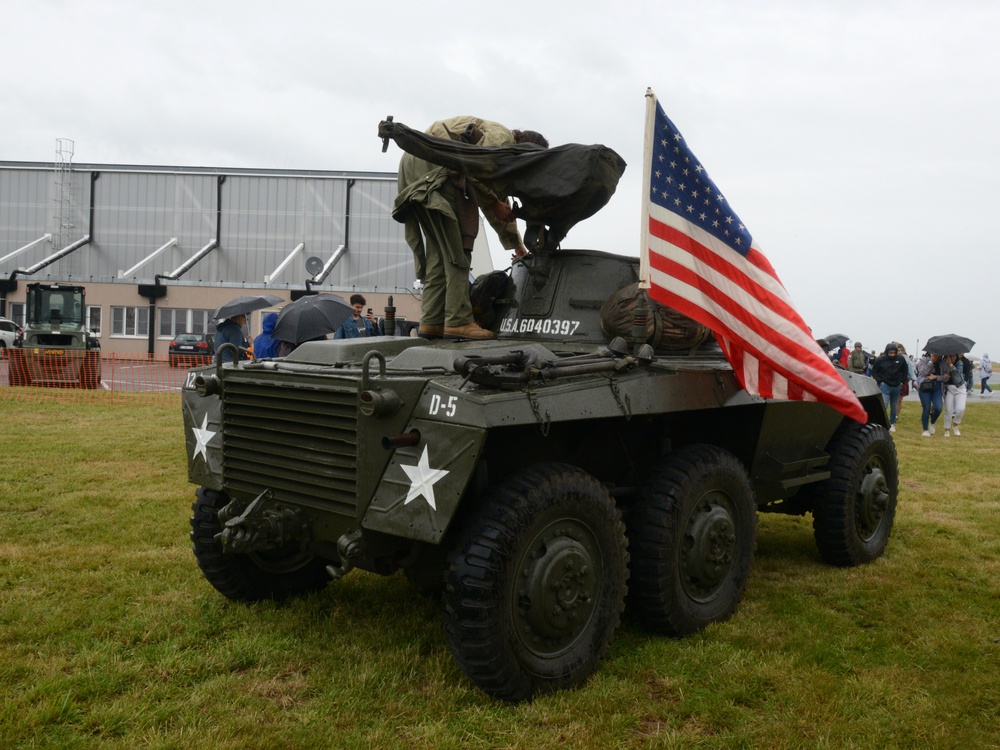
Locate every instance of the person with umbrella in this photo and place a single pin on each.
(230, 331)
(929, 379)
(954, 394)
(951, 346)
(842, 354)
(309, 318)
(233, 315)
(357, 325)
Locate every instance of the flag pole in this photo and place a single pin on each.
(647, 158)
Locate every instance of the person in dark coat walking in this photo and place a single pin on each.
(890, 372)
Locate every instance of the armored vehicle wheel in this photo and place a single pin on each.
(536, 582)
(855, 508)
(691, 540)
(249, 577)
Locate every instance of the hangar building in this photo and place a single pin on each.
(160, 248)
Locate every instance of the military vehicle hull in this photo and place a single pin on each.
(533, 482)
(54, 349)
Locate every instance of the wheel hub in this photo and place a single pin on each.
(709, 549)
(873, 499)
(556, 587)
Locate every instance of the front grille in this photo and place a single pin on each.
(56, 339)
(299, 442)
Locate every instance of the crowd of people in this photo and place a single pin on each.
(943, 382)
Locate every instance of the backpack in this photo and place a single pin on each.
(491, 295)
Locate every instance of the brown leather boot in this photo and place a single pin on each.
(468, 331)
(430, 330)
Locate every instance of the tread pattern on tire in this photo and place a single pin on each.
(834, 526)
(656, 596)
(238, 577)
(477, 626)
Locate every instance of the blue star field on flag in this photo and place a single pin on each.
(679, 183)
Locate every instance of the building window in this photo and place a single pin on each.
(174, 320)
(130, 321)
(17, 313)
(94, 319)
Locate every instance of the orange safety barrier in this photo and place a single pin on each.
(94, 377)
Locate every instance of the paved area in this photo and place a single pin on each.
(128, 375)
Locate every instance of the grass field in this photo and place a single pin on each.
(111, 638)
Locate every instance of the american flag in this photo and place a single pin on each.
(700, 259)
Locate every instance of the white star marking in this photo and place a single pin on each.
(422, 479)
(202, 436)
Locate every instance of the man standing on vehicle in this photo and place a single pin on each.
(440, 209)
(889, 371)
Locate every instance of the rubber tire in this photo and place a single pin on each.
(855, 508)
(695, 493)
(248, 577)
(555, 529)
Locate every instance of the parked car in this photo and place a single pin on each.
(189, 349)
(8, 334)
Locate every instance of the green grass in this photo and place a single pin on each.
(111, 638)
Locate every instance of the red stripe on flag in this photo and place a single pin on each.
(725, 304)
(824, 383)
(779, 308)
(752, 287)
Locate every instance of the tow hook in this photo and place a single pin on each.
(349, 547)
(256, 528)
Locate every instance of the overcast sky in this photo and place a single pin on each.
(859, 140)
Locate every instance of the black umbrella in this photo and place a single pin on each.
(833, 341)
(311, 317)
(247, 304)
(949, 343)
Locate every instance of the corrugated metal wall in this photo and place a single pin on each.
(264, 216)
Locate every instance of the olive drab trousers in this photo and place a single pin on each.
(445, 298)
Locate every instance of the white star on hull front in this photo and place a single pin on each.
(202, 437)
(422, 479)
